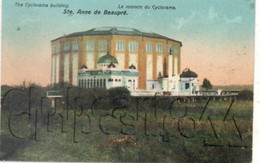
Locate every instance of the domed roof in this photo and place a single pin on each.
(117, 31)
(106, 59)
(111, 65)
(132, 67)
(187, 73)
(84, 67)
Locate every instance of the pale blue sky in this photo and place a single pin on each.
(193, 18)
(215, 24)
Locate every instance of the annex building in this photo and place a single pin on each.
(114, 56)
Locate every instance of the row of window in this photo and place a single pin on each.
(102, 45)
(55, 48)
(116, 80)
(119, 80)
(75, 46)
(120, 46)
(92, 83)
(133, 46)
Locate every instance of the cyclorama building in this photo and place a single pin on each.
(113, 57)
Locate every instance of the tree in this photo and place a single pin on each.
(159, 78)
(206, 84)
(246, 95)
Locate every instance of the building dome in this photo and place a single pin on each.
(111, 65)
(107, 59)
(84, 67)
(117, 31)
(132, 67)
(187, 73)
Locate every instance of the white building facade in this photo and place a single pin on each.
(184, 84)
(107, 75)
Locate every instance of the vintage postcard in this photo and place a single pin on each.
(127, 80)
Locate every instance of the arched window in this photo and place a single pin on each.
(101, 84)
(79, 82)
(104, 83)
(85, 83)
(90, 83)
(94, 83)
(97, 82)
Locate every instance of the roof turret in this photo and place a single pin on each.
(107, 59)
(187, 73)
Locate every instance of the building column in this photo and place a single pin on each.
(169, 72)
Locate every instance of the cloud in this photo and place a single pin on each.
(180, 22)
(237, 19)
(212, 14)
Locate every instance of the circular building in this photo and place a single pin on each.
(147, 52)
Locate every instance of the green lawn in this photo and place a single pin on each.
(231, 87)
(172, 135)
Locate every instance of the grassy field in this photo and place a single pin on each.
(134, 131)
(231, 87)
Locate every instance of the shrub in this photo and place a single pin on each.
(118, 92)
(245, 95)
(119, 97)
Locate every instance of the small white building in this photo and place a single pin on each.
(184, 84)
(107, 75)
(189, 83)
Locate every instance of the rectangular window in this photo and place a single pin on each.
(149, 47)
(120, 46)
(75, 46)
(170, 49)
(176, 50)
(159, 47)
(102, 45)
(66, 46)
(133, 46)
(57, 49)
(187, 85)
(90, 45)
